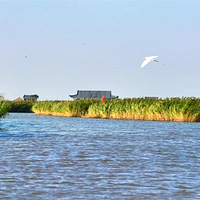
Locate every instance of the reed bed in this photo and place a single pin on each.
(21, 106)
(169, 109)
(63, 108)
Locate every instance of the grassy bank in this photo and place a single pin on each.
(64, 108)
(21, 106)
(170, 109)
(4, 108)
(16, 106)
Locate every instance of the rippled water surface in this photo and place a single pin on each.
(43, 157)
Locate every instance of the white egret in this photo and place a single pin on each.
(148, 60)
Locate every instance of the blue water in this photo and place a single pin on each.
(45, 157)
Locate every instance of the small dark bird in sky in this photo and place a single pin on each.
(25, 56)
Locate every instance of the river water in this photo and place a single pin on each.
(44, 157)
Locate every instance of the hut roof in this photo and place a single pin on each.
(88, 94)
(18, 99)
(31, 96)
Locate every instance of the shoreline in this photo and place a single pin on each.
(161, 119)
(171, 109)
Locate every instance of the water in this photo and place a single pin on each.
(45, 157)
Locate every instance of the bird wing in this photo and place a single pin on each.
(153, 57)
(145, 62)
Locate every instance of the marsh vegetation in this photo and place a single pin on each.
(15, 106)
(169, 109)
(4, 108)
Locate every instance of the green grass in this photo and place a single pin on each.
(15, 106)
(169, 109)
(63, 108)
(21, 106)
(4, 108)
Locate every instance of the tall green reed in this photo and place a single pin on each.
(169, 109)
(4, 108)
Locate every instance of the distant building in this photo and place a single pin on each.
(33, 97)
(87, 94)
(151, 98)
(19, 99)
(2, 97)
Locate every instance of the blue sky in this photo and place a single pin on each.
(54, 48)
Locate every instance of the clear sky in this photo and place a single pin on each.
(54, 48)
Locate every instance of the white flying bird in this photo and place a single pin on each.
(148, 60)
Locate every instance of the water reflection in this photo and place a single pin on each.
(72, 158)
